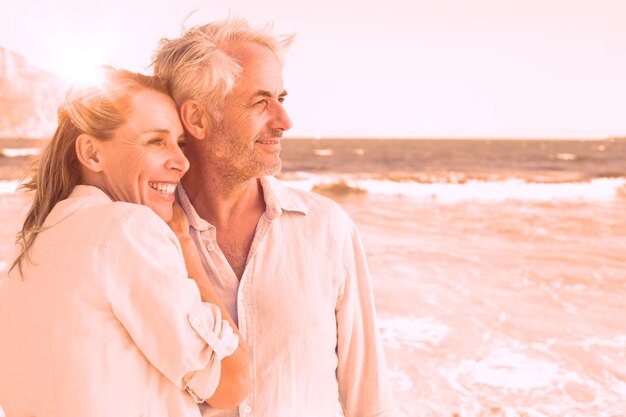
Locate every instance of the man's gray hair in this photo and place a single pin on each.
(195, 66)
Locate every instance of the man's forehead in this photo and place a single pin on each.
(262, 71)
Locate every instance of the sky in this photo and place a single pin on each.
(393, 68)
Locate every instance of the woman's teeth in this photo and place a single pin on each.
(162, 187)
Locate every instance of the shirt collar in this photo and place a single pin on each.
(279, 197)
(194, 219)
(89, 191)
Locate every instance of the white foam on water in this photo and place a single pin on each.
(302, 184)
(15, 152)
(618, 387)
(503, 368)
(532, 413)
(616, 342)
(8, 187)
(400, 380)
(512, 370)
(473, 407)
(603, 189)
(515, 189)
(420, 333)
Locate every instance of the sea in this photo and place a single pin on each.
(498, 266)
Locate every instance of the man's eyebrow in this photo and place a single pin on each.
(268, 94)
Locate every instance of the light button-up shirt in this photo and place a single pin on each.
(304, 305)
(105, 321)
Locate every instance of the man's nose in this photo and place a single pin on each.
(280, 118)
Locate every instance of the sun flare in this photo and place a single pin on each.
(81, 62)
(84, 70)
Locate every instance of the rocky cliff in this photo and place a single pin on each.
(29, 98)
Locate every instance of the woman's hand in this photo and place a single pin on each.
(236, 373)
(179, 223)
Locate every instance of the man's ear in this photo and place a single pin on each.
(88, 152)
(195, 119)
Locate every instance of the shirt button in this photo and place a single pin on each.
(247, 409)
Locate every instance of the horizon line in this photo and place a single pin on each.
(337, 137)
(304, 137)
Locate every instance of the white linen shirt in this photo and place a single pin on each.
(105, 322)
(305, 308)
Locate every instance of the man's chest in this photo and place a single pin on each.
(278, 280)
(235, 243)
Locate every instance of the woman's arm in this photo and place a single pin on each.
(236, 373)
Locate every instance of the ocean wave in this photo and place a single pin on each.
(565, 157)
(599, 189)
(19, 152)
(8, 187)
(506, 369)
(340, 187)
(457, 177)
(417, 333)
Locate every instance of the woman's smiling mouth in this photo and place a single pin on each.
(163, 187)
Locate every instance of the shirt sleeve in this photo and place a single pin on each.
(364, 388)
(160, 307)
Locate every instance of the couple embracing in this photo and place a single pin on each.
(98, 316)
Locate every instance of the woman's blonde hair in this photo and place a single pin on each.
(98, 109)
(196, 67)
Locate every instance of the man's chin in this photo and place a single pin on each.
(272, 170)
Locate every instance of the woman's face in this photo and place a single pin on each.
(143, 162)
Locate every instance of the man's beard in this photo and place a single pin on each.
(273, 166)
(236, 158)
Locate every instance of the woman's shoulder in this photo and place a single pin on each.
(122, 219)
(90, 216)
(137, 217)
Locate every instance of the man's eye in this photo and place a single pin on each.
(155, 141)
(281, 100)
(261, 102)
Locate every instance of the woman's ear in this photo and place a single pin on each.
(88, 152)
(195, 119)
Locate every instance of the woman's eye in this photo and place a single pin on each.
(155, 141)
(182, 144)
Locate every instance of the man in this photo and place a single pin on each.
(288, 264)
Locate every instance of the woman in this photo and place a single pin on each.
(98, 317)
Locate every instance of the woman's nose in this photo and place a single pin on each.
(177, 160)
